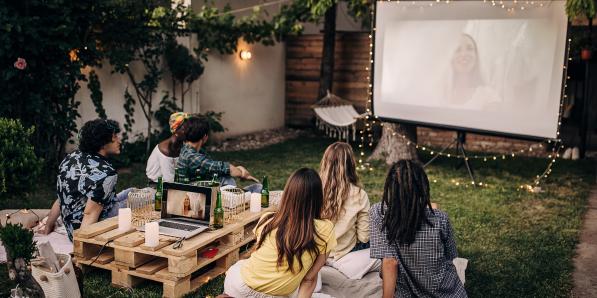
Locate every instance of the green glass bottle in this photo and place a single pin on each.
(197, 175)
(159, 194)
(177, 175)
(265, 193)
(218, 212)
(215, 182)
(184, 176)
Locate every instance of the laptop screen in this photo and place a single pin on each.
(186, 201)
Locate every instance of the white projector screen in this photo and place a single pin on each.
(470, 66)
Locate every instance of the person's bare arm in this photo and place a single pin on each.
(91, 213)
(52, 217)
(389, 275)
(235, 171)
(241, 172)
(310, 280)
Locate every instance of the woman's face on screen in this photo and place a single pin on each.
(465, 56)
(187, 202)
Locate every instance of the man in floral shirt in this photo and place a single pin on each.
(87, 181)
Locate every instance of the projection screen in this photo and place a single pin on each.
(469, 65)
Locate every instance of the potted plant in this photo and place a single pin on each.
(578, 9)
(20, 248)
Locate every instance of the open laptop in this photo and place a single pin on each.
(185, 210)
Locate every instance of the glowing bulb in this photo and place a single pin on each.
(245, 55)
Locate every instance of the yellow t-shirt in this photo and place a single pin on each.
(260, 272)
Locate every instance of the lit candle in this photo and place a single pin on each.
(255, 202)
(152, 234)
(125, 218)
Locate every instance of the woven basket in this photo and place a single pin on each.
(58, 284)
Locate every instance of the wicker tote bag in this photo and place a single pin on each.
(58, 284)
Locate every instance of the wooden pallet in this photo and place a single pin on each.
(131, 262)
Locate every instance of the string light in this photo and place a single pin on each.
(508, 6)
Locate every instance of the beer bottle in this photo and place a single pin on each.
(265, 193)
(184, 176)
(219, 212)
(177, 175)
(215, 182)
(159, 194)
(198, 174)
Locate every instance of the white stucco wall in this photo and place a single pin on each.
(250, 93)
(113, 86)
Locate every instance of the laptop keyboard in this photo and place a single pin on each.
(178, 226)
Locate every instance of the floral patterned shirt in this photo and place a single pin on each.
(84, 176)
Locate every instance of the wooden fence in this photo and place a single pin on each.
(303, 61)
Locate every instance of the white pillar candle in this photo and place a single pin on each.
(248, 197)
(125, 218)
(152, 234)
(255, 202)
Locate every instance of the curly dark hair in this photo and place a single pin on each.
(197, 127)
(96, 133)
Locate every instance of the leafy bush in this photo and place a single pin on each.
(19, 166)
(19, 241)
(133, 151)
(41, 91)
(580, 8)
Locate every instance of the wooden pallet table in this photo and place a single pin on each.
(180, 271)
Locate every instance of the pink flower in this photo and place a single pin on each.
(20, 63)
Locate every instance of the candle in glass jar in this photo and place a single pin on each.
(152, 234)
(255, 202)
(125, 218)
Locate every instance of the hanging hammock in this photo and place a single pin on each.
(336, 116)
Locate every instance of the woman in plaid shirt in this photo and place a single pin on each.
(414, 241)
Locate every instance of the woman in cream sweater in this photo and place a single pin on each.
(346, 204)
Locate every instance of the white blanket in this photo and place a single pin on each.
(336, 284)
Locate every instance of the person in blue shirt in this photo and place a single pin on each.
(86, 182)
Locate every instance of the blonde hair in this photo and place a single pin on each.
(338, 173)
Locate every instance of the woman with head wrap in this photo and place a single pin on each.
(162, 160)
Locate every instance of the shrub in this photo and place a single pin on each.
(19, 166)
(19, 241)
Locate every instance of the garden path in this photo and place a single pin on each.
(585, 261)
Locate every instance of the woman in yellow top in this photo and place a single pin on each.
(346, 204)
(292, 245)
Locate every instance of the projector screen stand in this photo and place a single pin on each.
(458, 143)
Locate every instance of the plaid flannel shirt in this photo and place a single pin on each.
(425, 266)
(192, 160)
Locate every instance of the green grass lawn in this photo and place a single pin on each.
(519, 244)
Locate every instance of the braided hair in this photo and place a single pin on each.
(405, 198)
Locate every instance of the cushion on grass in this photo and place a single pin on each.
(28, 218)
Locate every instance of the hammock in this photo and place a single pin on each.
(336, 116)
